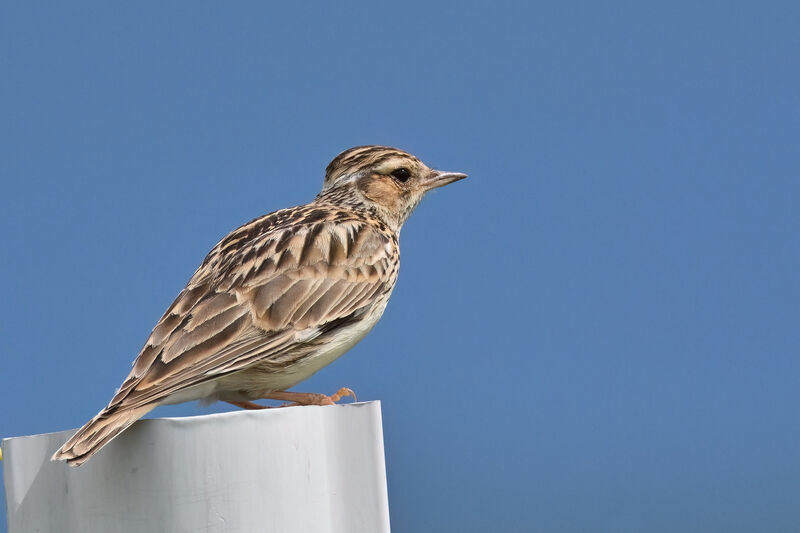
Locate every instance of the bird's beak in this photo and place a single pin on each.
(440, 178)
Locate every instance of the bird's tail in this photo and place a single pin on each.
(98, 432)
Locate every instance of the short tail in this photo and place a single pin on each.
(98, 432)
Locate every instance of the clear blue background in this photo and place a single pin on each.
(597, 331)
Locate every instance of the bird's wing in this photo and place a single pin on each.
(256, 295)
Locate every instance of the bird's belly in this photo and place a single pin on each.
(257, 380)
(340, 342)
(205, 392)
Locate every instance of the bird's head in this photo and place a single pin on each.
(390, 180)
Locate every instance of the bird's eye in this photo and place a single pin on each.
(401, 174)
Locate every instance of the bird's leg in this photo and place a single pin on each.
(310, 398)
(253, 405)
(296, 398)
(247, 405)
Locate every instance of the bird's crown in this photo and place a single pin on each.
(364, 158)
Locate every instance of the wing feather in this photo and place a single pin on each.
(260, 291)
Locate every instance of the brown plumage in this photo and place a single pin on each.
(276, 299)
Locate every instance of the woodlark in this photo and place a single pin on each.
(277, 299)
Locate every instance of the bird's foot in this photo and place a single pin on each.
(309, 398)
(343, 393)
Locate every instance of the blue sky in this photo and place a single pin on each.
(597, 331)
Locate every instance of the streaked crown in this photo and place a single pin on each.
(360, 158)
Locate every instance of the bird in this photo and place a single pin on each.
(277, 299)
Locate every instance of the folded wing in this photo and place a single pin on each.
(275, 290)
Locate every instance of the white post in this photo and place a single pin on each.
(297, 469)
